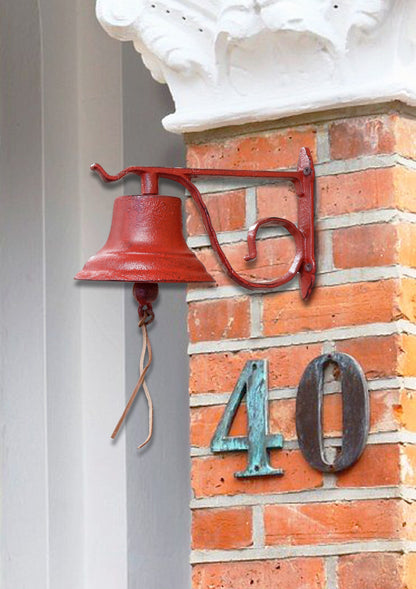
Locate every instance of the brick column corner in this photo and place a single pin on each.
(303, 530)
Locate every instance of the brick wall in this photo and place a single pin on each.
(305, 529)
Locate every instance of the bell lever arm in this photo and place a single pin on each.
(149, 177)
(303, 234)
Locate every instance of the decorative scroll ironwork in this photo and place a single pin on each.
(303, 180)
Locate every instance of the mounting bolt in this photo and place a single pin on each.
(307, 171)
(308, 267)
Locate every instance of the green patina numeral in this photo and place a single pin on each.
(251, 384)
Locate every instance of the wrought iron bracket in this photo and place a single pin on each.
(302, 233)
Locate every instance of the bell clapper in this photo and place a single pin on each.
(145, 294)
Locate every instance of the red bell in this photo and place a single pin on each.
(145, 244)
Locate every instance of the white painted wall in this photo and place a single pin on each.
(68, 351)
(158, 477)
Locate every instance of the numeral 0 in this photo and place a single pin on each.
(355, 412)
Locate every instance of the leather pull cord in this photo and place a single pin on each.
(144, 321)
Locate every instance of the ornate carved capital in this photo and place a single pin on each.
(229, 62)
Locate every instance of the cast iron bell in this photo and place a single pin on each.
(145, 244)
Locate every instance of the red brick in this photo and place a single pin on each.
(357, 191)
(383, 356)
(375, 188)
(214, 475)
(371, 571)
(223, 529)
(409, 466)
(405, 410)
(220, 319)
(407, 363)
(406, 246)
(323, 523)
(218, 373)
(405, 135)
(277, 200)
(227, 211)
(204, 422)
(263, 151)
(407, 299)
(297, 573)
(352, 138)
(409, 520)
(365, 245)
(329, 307)
(378, 356)
(378, 466)
(404, 186)
(410, 571)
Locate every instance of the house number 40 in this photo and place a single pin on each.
(252, 384)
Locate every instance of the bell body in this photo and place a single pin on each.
(146, 244)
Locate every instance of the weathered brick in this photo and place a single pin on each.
(405, 135)
(407, 363)
(297, 573)
(378, 466)
(220, 319)
(375, 188)
(365, 245)
(204, 422)
(314, 523)
(329, 307)
(384, 355)
(405, 409)
(214, 475)
(378, 356)
(406, 244)
(409, 520)
(371, 571)
(404, 187)
(409, 465)
(278, 200)
(219, 372)
(222, 528)
(263, 151)
(355, 137)
(407, 299)
(358, 191)
(227, 211)
(410, 571)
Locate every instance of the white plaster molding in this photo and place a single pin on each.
(229, 62)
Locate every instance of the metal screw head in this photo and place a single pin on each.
(307, 171)
(308, 267)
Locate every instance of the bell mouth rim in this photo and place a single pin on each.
(209, 280)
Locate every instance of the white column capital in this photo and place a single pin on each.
(228, 62)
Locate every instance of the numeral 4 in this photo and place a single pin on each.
(251, 384)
